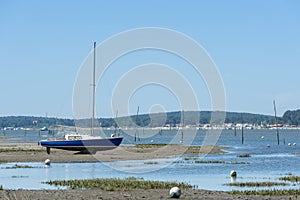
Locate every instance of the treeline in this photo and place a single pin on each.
(154, 120)
(291, 117)
(31, 122)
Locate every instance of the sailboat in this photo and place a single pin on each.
(79, 142)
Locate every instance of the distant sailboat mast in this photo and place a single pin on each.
(94, 89)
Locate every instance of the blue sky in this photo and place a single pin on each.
(255, 45)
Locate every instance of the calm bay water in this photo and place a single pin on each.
(264, 164)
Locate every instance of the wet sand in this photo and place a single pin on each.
(152, 194)
(27, 152)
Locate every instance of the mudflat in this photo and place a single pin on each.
(29, 152)
(149, 194)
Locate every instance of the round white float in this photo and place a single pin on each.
(175, 192)
(233, 173)
(47, 162)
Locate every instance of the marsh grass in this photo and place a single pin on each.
(213, 161)
(151, 162)
(20, 176)
(7, 150)
(257, 184)
(274, 192)
(116, 184)
(210, 161)
(244, 155)
(16, 166)
(290, 178)
(150, 145)
(238, 163)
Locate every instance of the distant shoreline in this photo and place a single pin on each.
(194, 119)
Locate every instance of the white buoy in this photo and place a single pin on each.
(112, 135)
(268, 145)
(175, 192)
(294, 144)
(233, 173)
(47, 162)
(289, 144)
(262, 137)
(233, 179)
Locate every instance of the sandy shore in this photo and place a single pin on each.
(26, 152)
(126, 195)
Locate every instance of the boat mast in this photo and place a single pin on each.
(94, 88)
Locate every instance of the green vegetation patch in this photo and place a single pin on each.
(244, 155)
(274, 192)
(116, 184)
(1, 187)
(290, 178)
(20, 176)
(257, 184)
(151, 162)
(16, 166)
(150, 145)
(6, 150)
(210, 161)
(213, 161)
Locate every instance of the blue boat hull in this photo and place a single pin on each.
(80, 145)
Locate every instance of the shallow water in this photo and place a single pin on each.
(264, 164)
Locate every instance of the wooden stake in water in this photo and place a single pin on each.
(242, 134)
(182, 125)
(276, 122)
(136, 121)
(234, 130)
(242, 128)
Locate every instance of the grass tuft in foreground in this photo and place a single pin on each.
(274, 192)
(116, 184)
(257, 184)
